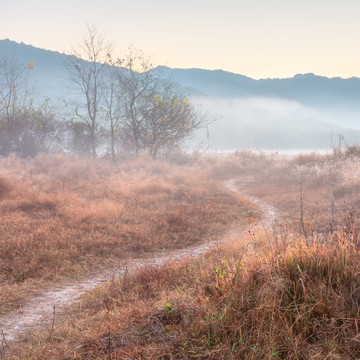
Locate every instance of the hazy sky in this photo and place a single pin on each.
(257, 38)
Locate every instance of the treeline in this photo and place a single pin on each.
(123, 105)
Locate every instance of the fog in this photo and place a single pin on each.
(272, 123)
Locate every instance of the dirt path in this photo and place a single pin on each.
(38, 311)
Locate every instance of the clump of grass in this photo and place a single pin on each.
(239, 163)
(299, 301)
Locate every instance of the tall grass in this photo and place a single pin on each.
(275, 294)
(299, 301)
(64, 217)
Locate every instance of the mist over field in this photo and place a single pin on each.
(273, 123)
(300, 113)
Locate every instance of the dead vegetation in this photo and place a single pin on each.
(293, 294)
(65, 217)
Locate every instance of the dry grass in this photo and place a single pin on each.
(327, 185)
(299, 301)
(291, 294)
(65, 217)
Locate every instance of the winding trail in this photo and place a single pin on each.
(39, 309)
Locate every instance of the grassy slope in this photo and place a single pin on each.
(63, 218)
(293, 295)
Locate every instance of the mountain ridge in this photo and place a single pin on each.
(8, 42)
(287, 111)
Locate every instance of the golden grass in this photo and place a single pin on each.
(299, 301)
(64, 217)
(279, 294)
(327, 185)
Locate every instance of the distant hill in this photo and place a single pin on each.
(49, 76)
(304, 88)
(298, 112)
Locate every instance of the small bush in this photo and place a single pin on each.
(5, 187)
(353, 151)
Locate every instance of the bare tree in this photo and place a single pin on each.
(87, 69)
(112, 109)
(156, 117)
(134, 81)
(15, 102)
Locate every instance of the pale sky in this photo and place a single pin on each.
(256, 38)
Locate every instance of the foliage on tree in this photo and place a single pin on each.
(25, 128)
(125, 105)
(155, 117)
(170, 121)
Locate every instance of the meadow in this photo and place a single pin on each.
(286, 290)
